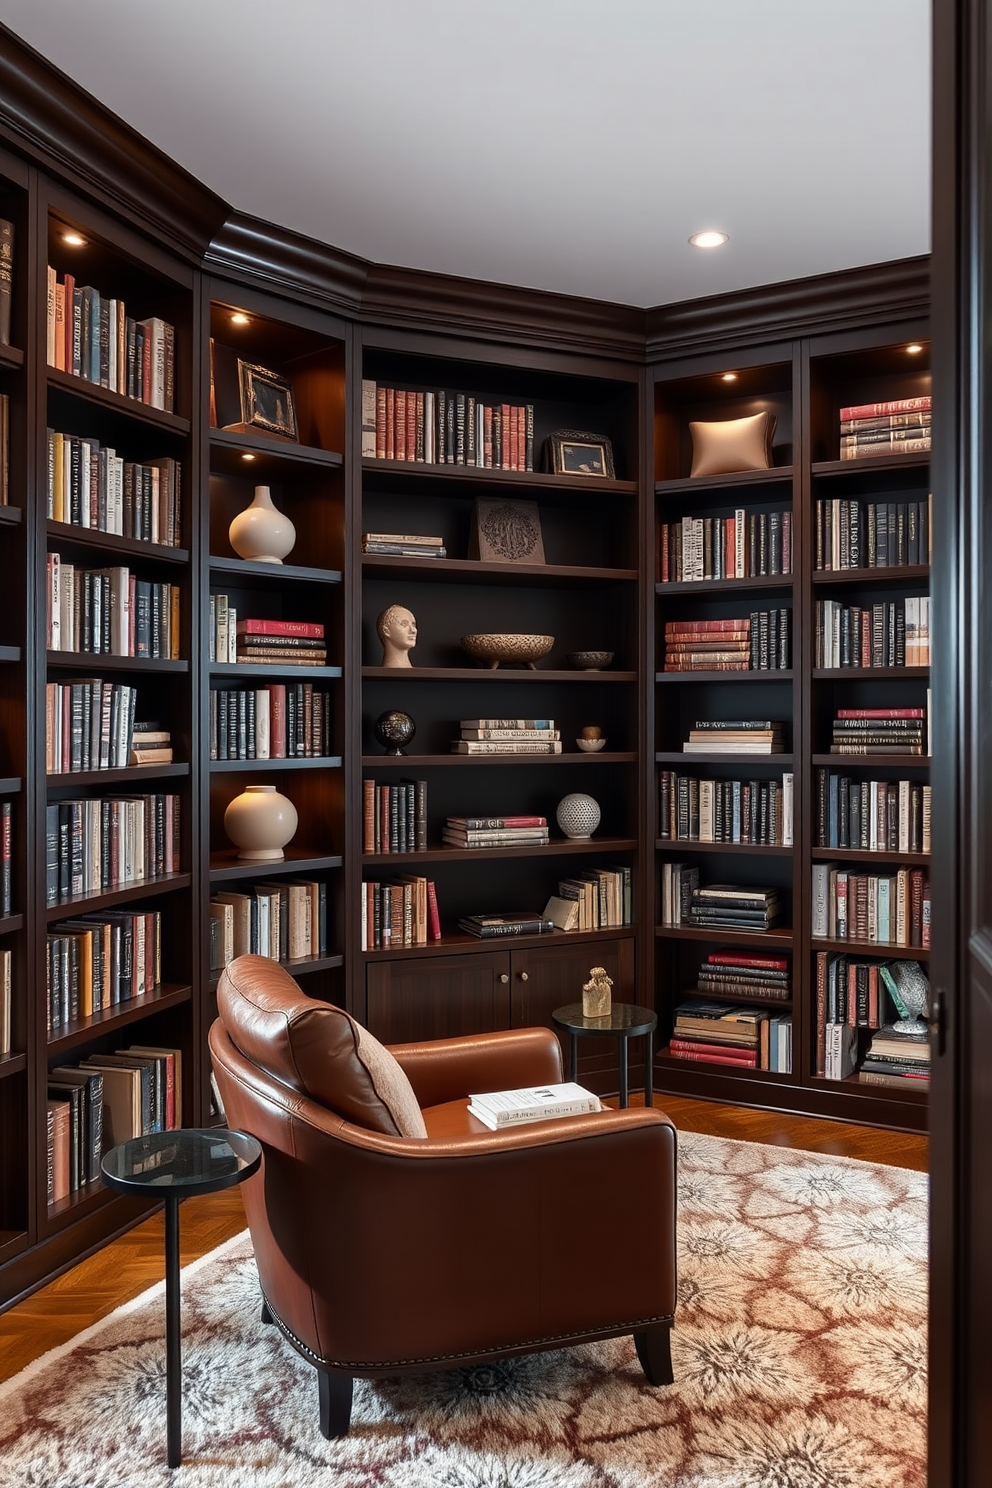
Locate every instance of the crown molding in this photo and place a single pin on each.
(818, 305)
(287, 263)
(72, 135)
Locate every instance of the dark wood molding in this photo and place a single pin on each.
(72, 135)
(287, 263)
(818, 305)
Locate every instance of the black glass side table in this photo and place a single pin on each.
(623, 1022)
(177, 1165)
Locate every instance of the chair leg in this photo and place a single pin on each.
(266, 1316)
(654, 1350)
(335, 1403)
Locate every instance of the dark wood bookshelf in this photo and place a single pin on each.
(11, 357)
(870, 674)
(225, 867)
(10, 516)
(866, 855)
(120, 1015)
(862, 762)
(130, 775)
(556, 848)
(884, 949)
(10, 923)
(905, 573)
(145, 888)
(519, 482)
(776, 940)
(778, 675)
(738, 483)
(732, 761)
(67, 534)
(105, 398)
(273, 456)
(877, 464)
(756, 849)
(282, 573)
(12, 1064)
(239, 766)
(485, 674)
(457, 942)
(96, 661)
(250, 671)
(704, 587)
(457, 570)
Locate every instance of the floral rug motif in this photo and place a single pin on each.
(799, 1351)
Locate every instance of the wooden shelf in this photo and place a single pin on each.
(775, 939)
(457, 943)
(705, 587)
(408, 762)
(560, 847)
(915, 1091)
(225, 867)
(12, 1064)
(268, 670)
(147, 888)
(10, 923)
(486, 674)
(861, 762)
(10, 516)
(463, 570)
(127, 775)
(881, 949)
(749, 849)
(703, 486)
(273, 456)
(732, 761)
(84, 1030)
(97, 661)
(245, 767)
(11, 357)
(866, 855)
(10, 785)
(10, 653)
(784, 675)
(869, 674)
(519, 482)
(69, 533)
(871, 463)
(301, 966)
(906, 573)
(78, 387)
(245, 568)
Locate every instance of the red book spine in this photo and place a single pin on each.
(487, 436)
(521, 438)
(707, 627)
(368, 816)
(277, 721)
(312, 630)
(507, 435)
(380, 423)
(663, 574)
(763, 963)
(881, 712)
(894, 405)
(399, 431)
(821, 1013)
(411, 425)
(433, 917)
(925, 909)
(703, 1046)
(390, 423)
(751, 1062)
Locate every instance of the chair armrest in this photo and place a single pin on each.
(443, 1070)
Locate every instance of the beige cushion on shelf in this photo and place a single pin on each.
(729, 445)
(316, 1048)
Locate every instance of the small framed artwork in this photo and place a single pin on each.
(575, 452)
(266, 401)
(505, 531)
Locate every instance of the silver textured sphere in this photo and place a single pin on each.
(578, 815)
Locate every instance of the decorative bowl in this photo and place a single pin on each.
(590, 746)
(522, 650)
(589, 661)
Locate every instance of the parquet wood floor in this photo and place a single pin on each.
(89, 1291)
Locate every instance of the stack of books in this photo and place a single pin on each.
(898, 1059)
(759, 642)
(495, 831)
(285, 642)
(898, 426)
(737, 547)
(501, 1108)
(879, 731)
(734, 907)
(873, 815)
(403, 545)
(492, 927)
(739, 1037)
(394, 817)
(507, 736)
(445, 428)
(878, 534)
(735, 736)
(597, 899)
(151, 744)
(399, 912)
(891, 633)
(755, 811)
(744, 974)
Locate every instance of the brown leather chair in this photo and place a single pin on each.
(395, 1233)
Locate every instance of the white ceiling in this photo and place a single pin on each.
(568, 145)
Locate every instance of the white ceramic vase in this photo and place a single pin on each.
(578, 815)
(260, 822)
(260, 532)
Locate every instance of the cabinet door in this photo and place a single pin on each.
(543, 978)
(438, 996)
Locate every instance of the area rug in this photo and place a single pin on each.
(799, 1352)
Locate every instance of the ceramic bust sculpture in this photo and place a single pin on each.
(397, 630)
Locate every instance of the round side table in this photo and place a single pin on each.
(623, 1022)
(177, 1165)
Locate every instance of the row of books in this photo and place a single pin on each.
(4, 449)
(496, 831)
(277, 721)
(890, 633)
(863, 993)
(872, 815)
(91, 336)
(6, 1002)
(394, 817)
(100, 961)
(90, 485)
(716, 906)
(399, 912)
(90, 725)
(738, 1037)
(736, 736)
(445, 428)
(595, 899)
(107, 1099)
(6, 857)
(284, 920)
(255, 642)
(756, 642)
(881, 731)
(6, 278)
(727, 973)
(110, 612)
(507, 736)
(878, 908)
(873, 534)
(737, 547)
(95, 845)
(403, 545)
(896, 426)
(701, 810)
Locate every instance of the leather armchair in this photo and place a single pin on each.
(380, 1253)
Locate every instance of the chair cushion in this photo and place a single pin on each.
(315, 1048)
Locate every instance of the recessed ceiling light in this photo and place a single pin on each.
(711, 238)
(247, 457)
(914, 348)
(729, 376)
(239, 318)
(74, 240)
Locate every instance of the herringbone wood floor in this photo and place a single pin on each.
(127, 1266)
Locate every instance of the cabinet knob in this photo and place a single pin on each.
(504, 976)
(524, 977)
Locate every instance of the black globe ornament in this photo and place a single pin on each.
(393, 730)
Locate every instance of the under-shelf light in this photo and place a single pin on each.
(74, 240)
(914, 348)
(247, 457)
(710, 237)
(729, 377)
(239, 318)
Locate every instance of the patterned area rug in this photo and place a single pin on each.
(799, 1351)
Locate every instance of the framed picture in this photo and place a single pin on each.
(505, 531)
(266, 401)
(575, 452)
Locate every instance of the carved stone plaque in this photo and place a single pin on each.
(506, 531)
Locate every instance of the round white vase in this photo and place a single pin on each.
(260, 822)
(260, 532)
(578, 815)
